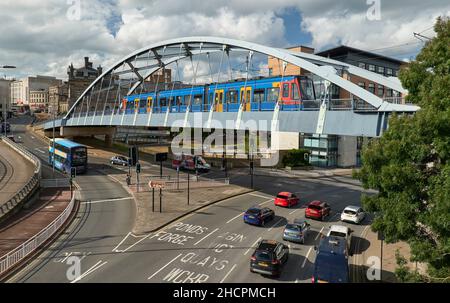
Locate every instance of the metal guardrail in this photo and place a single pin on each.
(30, 186)
(173, 184)
(19, 253)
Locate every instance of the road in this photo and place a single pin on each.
(211, 245)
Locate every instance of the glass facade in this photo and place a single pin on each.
(324, 149)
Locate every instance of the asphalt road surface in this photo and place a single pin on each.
(211, 245)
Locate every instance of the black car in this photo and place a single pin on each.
(269, 258)
(258, 216)
(119, 160)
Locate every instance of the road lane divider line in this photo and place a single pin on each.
(235, 217)
(90, 270)
(108, 200)
(320, 232)
(275, 224)
(145, 237)
(123, 240)
(164, 267)
(253, 245)
(228, 273)
(265, 202)
(206, 236)
(260, 196)
(306, 257)
(294, 211)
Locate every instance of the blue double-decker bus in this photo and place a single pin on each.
(68, 154)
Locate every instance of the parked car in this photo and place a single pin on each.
(119, 160)
(269, 258)
(331, 264)
(354, 214)
(259, 216)
(286, 199)
(317, 210)
(297, 231)
(341, 232)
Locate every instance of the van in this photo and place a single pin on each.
(331, 264)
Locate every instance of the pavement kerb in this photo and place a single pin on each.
(30, 258)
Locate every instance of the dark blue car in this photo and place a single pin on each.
(258, 216)
(331, 264)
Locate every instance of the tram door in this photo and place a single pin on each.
(246, 98)
(136, 105)
(149, 104)
(218, 100)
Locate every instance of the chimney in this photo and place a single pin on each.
(86, 61)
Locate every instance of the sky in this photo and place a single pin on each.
(44, 37)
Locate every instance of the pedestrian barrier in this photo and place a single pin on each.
(182, 184)
(32, 184)
(19, 253)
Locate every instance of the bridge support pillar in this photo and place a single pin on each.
(108, 140)
(89, 131)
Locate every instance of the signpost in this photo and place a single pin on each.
(381, 238)
(161, 157)
(160, 185)
(138, 171)
(73, 174)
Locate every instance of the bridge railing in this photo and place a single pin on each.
(30, 186)
(21, 252)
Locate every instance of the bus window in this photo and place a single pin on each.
(307, 89)
(258, 95)
(295, 92)
(273, 94)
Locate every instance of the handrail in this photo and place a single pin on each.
(22, 251)
(30, 186)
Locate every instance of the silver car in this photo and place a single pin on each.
(296, 231)
(119, 160)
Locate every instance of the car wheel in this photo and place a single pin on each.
(263, 222)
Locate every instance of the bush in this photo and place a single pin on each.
(296, 157)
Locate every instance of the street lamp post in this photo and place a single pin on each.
(4, 106)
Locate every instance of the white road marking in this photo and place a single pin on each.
(110, 200)
(143, 238)
(252, 246)
(228, 273)
(235, 217)
(37, 149)
(164, 266)
(115, 248)
(294, 211)
(306, 257)
(67, 255)
(275, 224)
(206, 236)
(265, 202)
(260, 196)
(317, 237)
(90, 270)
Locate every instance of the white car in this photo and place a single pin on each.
(343, 232)
(354, 214)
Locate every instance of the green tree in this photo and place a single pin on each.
(410, 164)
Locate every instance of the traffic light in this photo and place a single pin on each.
(133, 155)
(73, 172)
(138, 168)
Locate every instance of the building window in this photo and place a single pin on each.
(389, 71)
(362, 85)
(396, 72)
(371, 67)
(362, 65)
(371, 88)
(380, 70)
(389, 92)
(270, 72)
(380, 90)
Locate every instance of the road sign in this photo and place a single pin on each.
(161, 157)
(157, 184)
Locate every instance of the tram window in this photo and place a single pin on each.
(295, 92)
(286, 90)
(258, 95)
(307, 89)
(187, 100)
(142, 103)
(232, 96)
(179, 100)
(197, 99)
(219, 97)
(272, 94)
(163, 101)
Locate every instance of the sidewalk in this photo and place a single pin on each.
(22, 226)
(174, 202)
(312, 173)
(389, 263)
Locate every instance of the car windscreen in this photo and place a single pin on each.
(315, 207)
(349, 212)
(293, 227)
(262, 255)
(282, 196)
(253, 211)
(334, 233)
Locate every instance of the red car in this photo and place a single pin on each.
(286, 199)
(317, 210)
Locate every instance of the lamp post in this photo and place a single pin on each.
(4, 106)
